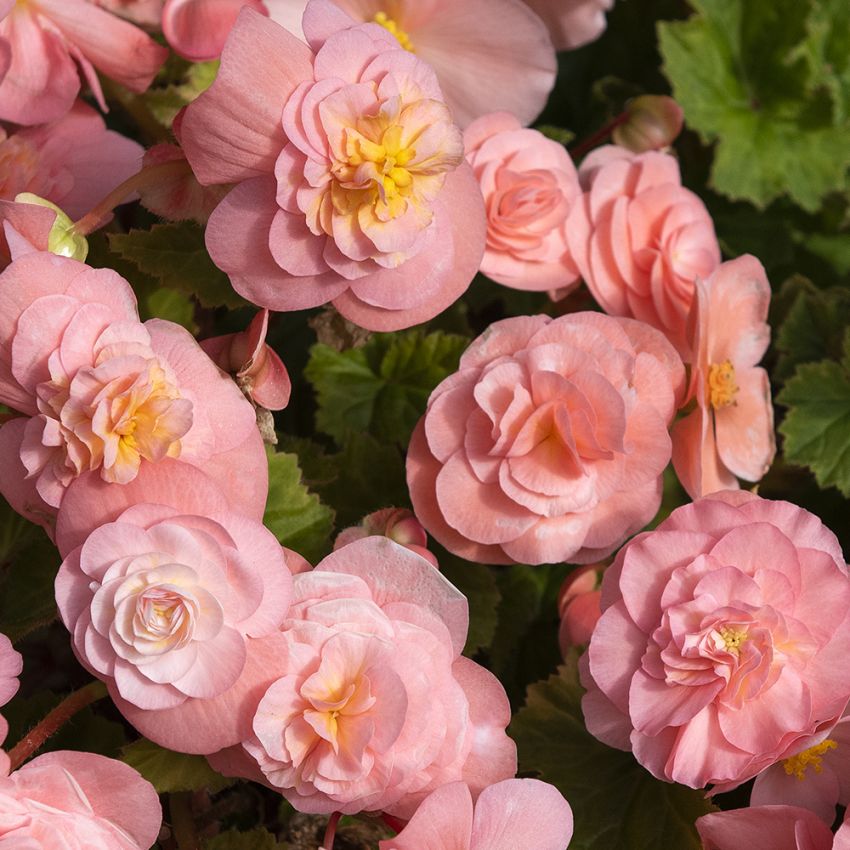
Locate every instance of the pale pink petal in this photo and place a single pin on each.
(764, 828)
(198, 29)
(443, 821)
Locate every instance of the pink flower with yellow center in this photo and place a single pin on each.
(351, 185)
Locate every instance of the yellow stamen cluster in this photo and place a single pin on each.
(796, 765)
(732, 638)
(391, 26)
(722, 388)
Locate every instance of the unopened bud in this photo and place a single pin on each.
(398, 524)
(653, 123)
(579, 606)
(62, 239)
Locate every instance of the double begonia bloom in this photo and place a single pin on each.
(398, 524)
(45, 41)
(548, 443)
(769, 828)
(723, 641)
(573, 23)
(174, 600)
(375, 706)
(99, 390)
(73, 162)
(640, 239)
(351, 185)
(529, 184)
(77, 801)
(489, 55)
(730, 431)
(510, 814)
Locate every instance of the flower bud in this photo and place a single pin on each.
(653, 123)
(578, 606)
(399, 524)
(62, 238)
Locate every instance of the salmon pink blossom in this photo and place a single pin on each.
(47, 40)
(510, 814)
(77, 801)
(549, 442)
(197, 29)
(146, 13)
(376, 707)
(573, 23)
(723, 641)
(730, 431)
(351, 185)
(640, 239)
(529, 185)
(172, 599)
(99, 390)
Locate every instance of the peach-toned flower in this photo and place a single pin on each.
(640, 239)
(45, 41)
(77, 801)
(730, 431)
(573, 23)
(723, 641)
(489, 55)
(398, 524)
(376, 707)
(529, 185)
(578, 606)
(549, 442)
(99, 390)
(172, 599)
(513, 813)
(357, 194)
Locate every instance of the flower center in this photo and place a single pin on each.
(390, 25)
(722, 388)
(796, 765)
(732, 638)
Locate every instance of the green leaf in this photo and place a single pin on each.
(617, 805)
(256, 839)
(294, 515)
(176, 256)
(26, 590)
(166, 101)
(739, 71)
(168, 771)
(163, 303)
(383, 387)
(477, 583)
(817, 425)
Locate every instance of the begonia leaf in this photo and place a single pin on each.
(816, 427)
(168, 771)
(617, 804)
(166, 101)
(26, 587)
(478, 584)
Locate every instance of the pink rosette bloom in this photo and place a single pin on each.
(77, 801)
(174, 600)
(529, 184)
(573, 23)
(817, 778)
(489, 55)
(640, 239)
(99, 390)
(769, 828)
(510, 814)
(549, 442)
(73, 162)
(398, 524)
(47, 39)
(376, 707)
(578, 606)
(723, 641)
(351, 185)
(730, 431)
(198, 29)
(259, 372)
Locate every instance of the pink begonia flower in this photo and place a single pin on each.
(640, 239)
(73, 162)
(572, 23)
(818, 778)
(146, 13)
(174, 600)
(375, 706)
(511, 814)
(258, 370)
(723, 641)
(26, 229)
(730, 431)
(769, 828)
(398, 524)
(489, 55)
(548, 443)
(48, 39)
(77, 801)
(11, 665)
(351, 185)
(578, 606)
(529, 184)
(99, 390)
(198, 29)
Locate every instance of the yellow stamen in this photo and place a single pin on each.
(722, 388)
(796, 765)
(391, 26)
(733, 638)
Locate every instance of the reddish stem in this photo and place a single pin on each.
(330, 832)
(599, 136)
(54, 721)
